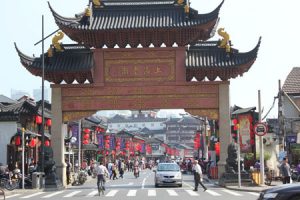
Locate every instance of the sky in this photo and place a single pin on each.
(276, 21)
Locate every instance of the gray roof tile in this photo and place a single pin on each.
(292, 82)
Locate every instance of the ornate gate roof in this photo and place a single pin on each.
(137, 22)
(203, 59)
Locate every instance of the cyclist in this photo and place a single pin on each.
(101, 173)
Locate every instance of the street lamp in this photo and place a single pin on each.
(42, 165)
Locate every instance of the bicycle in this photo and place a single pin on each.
(101, 184)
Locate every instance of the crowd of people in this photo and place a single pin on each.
(115, 169)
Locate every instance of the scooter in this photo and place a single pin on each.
(80, 178)
(295, 175)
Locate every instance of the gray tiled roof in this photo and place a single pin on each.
(243, 110)
(74, 63)
(203, 59)
(206, 59)
(6, 100)
(138, 14)
(292, 82)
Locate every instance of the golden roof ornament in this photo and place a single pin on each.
(225, 42)
(50, 52)
(55, 41)
(180, 2)
(187, 9)
(87, 12)
(97, 3)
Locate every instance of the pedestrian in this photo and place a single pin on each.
(102, 172)
(285, 170)
(198, 176)
(122, 168)
(68, 172)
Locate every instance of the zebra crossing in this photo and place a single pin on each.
(130, 193)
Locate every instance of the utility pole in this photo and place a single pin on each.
(261, 146)
(239, 156)
(281, 118)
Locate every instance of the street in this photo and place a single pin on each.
(138, 188)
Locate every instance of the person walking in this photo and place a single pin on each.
(122, 168)
(68, 172)
(101, 173)
(197, 176)
(285, 170)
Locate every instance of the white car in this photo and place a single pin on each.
(168, 174)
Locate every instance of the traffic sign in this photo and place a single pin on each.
(260, 129)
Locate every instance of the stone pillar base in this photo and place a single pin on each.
(221, 168)
(62, 174)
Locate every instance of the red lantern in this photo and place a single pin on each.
(47, 143)
(18, 140)
(217, 148)
(86, 136)
(86, 131)
(32, 143)
(48, 122)
(235, 124)
(85, 141)
(138, 147)
(38, 119)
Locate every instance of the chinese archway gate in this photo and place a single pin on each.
(87, 77)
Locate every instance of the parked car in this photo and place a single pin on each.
(282, 192)
(168, 174)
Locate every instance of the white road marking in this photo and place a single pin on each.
(212, 193)
(254, 193)
(231, 192)
(52, 194)
(93, 193)
(151, 193)
(192, 193)
(172, 193)
(32, 195)
(131, 193)
(111, 193)
(72, 194)
(10, 196)
(143, 183)
(119, 185)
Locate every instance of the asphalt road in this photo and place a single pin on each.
(138, 188)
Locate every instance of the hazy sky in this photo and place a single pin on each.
(277, 21)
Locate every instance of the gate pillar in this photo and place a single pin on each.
(224, 125)
(58, 131)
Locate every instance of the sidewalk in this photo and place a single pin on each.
(252, 188)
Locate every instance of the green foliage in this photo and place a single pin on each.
(267, 156)
(249, 156)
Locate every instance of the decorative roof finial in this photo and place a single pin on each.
(97, 3)
(187, 7)
(55, 42)
(87, 12)
(50, 52)
(180, 2)
(225, 42)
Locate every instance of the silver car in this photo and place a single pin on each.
(168, 174)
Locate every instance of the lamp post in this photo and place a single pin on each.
(23, 157)
(43, 119)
